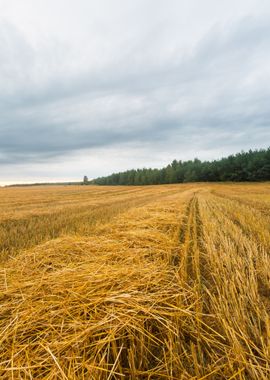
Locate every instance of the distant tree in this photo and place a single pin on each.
(244, 166)
(85, 180)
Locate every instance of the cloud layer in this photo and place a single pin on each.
(137, 83)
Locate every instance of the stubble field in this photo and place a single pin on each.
(155, 282)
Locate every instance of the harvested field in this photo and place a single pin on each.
(156, 282)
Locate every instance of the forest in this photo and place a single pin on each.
(253, 165)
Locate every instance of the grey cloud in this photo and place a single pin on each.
(215, 94)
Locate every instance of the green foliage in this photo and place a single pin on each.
(241, 167)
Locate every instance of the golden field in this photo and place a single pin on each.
(155, 282)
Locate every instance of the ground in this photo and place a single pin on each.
(154, 282)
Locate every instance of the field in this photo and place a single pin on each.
(155, 282)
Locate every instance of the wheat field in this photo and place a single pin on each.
(155, 282)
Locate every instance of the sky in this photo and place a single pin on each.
(101, 86)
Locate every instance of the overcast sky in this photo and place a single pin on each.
(97, 86)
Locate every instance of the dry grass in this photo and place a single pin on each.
(30, 216)
(168, 282)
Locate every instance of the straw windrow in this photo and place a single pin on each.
(175, 288)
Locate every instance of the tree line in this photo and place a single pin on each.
(241, 167)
